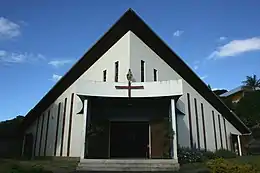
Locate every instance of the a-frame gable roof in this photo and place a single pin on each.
(131, 21)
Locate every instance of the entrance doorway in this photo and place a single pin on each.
(129, 139)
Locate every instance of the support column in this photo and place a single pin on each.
(174, 128)
(84, 131)
(239, 145)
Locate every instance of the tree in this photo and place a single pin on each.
(252, 82)
(248, 108)
(209, 86)
(10, 128)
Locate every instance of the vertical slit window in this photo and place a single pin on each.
(104, 75)
(190, 121)
(154, 75)
(63, 126)
(214, 130)
(70, 124)
(57, 130)
(40, 144)
(197, 122)
(36, 135)
(220, 131)
(142, 71)
(225, 129)
(46, 134)
(116, 71)
(203, 124)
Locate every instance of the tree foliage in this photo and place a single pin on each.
(248, 108)
(10, 128)
(252, 82)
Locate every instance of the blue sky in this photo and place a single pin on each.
(40, 41)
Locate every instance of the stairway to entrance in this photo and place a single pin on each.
(128, 165)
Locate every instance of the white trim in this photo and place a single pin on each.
(83, 135)
(173, 120)
(239, 145)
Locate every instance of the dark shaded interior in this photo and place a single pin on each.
(123, 126)
(129, 140)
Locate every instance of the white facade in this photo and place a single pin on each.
(128, 51)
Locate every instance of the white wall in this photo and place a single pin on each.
(118, 52)
(129, 51)
(140, 51)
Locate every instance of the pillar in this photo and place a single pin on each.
(239, 145)
(83, 134)
(174, 128)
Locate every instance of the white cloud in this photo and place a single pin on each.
(8, 29)
(178, 33)
(204, 77)
(56, 77)
(59, 63)
(195, 67)
(222, 38)
(13, 57)
(235, 48)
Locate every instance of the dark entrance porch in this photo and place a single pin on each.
(129, 140)
(128, 128)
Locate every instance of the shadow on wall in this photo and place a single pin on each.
(51, 127)
(183, 132)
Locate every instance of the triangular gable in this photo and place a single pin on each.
(130, 21)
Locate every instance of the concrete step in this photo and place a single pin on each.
(146, 165)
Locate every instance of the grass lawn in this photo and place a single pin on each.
(55, 165)
(252, 160)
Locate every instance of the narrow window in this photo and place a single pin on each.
(70, 124)
(104, 75)
(190, 122)
(116, 71)
(57, 129)
(154, 75)
(63, 126)
(197, 122)
(40, 144)
(225, 129)
(203, 124)
(142, 71)
(220, 131)
(36, 135)
(214, 130)
(46, 134)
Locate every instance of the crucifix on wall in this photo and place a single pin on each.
(129, 87)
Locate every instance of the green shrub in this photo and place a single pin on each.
(223, 166)
(209, 155)
(188, 155)
(226, 154)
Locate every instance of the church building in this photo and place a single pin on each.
(130, 96)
